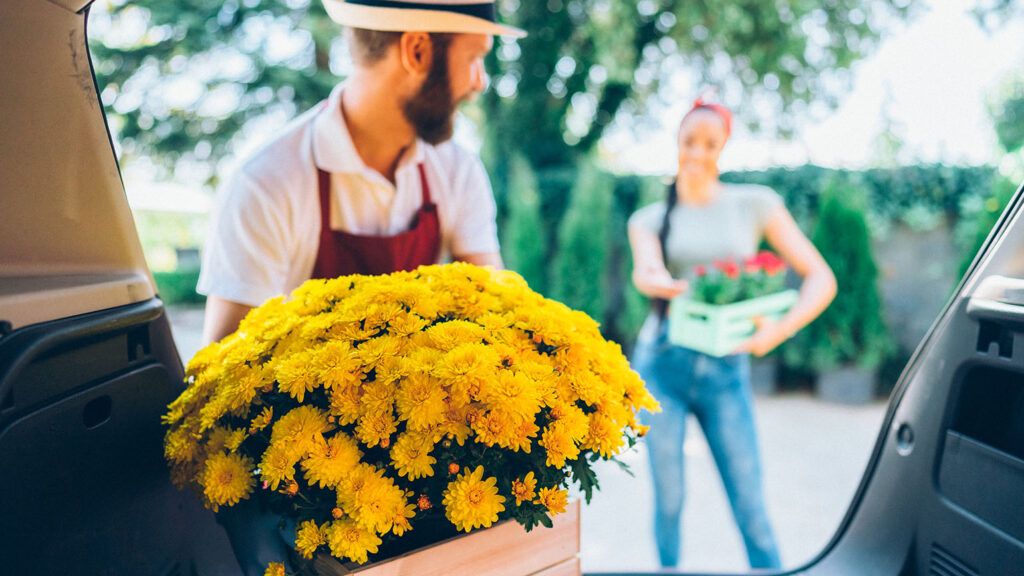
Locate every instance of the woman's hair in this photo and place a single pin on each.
(661, 305)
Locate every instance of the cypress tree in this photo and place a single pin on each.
(852, 329)
(525, 241)
(583, 244)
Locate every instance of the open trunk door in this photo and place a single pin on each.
(87, 362)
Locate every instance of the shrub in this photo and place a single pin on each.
(581, 261)
(852, 330)
(525, 239)
(178, 287)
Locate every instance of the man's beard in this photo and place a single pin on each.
(432, 110)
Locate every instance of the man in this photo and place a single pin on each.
(367, 182)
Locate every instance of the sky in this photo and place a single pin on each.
(935, 73)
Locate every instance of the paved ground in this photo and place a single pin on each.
(814, 455)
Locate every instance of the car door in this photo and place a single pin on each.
(87, 363)
(943, 494)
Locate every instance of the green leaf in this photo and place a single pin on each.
(585, 476)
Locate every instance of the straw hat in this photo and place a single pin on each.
(458, 16)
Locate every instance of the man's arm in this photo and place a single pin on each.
(492, 259)
(222, 318)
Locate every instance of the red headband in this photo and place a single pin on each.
(722, 111)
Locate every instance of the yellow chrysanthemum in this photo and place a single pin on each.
(421, 401)
(448, 335)
(495, 428)
(180, 445)
(377, 397)
(379, 504)
(558, 445)
(377, 350)
(406, 325)
(411, 455)
(300, 430)
(465, 368)
(278, 465)
(455, 424)
(337, 365)
(329, 463)
(345, 404)
(524, 489)
(554, 499)
(351, 489)
(226, 479)
(470, 501)
(604, 437)
(223, 438)
(571, 420)
(521, 438)
(376, 428)
(294, 376)
(262, 420)
(346, 539)
(308, 537)
(515, 394)
(441, 355)
(275, 569)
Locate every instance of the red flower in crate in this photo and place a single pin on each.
(727, 281)
(766, 262)
(729, 268)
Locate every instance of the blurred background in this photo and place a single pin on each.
(910, 113)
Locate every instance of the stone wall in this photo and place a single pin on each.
(917, 276)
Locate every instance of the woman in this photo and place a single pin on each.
(704, 220)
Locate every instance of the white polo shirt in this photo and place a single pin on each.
(265, 233)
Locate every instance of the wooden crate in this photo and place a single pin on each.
(717, 330)
(505, 549)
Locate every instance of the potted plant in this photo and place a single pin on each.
(847, 343)
(725, 300)
(368, 415)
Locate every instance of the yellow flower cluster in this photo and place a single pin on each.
(365, 396)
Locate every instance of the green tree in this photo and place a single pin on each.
(1008, 116)
(974, 229)
(852, 329)
(181, 78)
(579, 273)
(524, 243)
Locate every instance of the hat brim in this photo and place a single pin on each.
(414, 20)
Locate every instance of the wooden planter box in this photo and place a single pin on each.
(717, 330)
(505, 549)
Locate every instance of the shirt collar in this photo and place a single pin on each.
(333, 150)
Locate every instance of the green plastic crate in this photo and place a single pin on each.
(718, 329)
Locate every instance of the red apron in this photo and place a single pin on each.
(341, 253)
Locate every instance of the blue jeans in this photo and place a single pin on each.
(717, 392)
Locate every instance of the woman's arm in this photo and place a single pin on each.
(816, 291)
(650, 276)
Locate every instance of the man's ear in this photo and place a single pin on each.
(416, 51)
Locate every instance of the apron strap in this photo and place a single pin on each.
(424, 187)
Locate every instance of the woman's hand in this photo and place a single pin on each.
(767, 337)
(658, 283)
